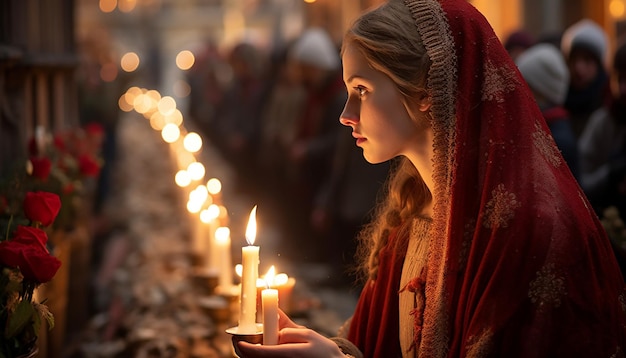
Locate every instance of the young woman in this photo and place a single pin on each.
(485, 245)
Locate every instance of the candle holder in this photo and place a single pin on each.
(254, 338)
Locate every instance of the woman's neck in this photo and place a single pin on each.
(421, 156)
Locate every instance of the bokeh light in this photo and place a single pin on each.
(108, 5)
(185, 60)
(192, 142)
(167, 105)
(182, 178)
(129, 62)
(108, 72)
(127, 5)
(170, 133)
(617, 8)
(196, 171)
(181, 88)
(214, 185)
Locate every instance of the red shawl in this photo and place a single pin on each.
(518, 265)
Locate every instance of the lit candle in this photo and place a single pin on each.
(249, 274)
(269, 302)
(209, 218)
(222, 247)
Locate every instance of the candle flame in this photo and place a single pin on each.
(269, 277)
(251, 229)
(239, 270)
(281, 279)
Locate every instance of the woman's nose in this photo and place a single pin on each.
(349, 116)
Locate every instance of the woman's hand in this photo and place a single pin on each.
(293, 341)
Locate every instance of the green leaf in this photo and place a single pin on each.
(19, 319)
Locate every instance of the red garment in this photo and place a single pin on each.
(518, 265)
(375, 324)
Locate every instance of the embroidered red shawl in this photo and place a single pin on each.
(518, 265)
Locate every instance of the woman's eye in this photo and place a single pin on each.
(360, 90)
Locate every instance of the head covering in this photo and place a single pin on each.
(519, 38)
(315, 48)
(518, 263)
(588, 35)
(546, 72)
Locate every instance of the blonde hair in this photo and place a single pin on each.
(388, 39)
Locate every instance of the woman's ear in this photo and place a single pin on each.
(424, 102)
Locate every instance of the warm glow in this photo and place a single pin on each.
(185, 59)
(269, 277)
(281, 279)
(143, 103)
(157, 121)
(170, 133)
(196, 170)
(127, 5)
(309, 1)
(182, 178)
(214, 185)
(192, 142)
(129, 62)
(194, 206)
(223, 212)
(167, 106)
(617, 8)
(181, 88)
(108, 5)
(199, 194)
(209, 214)
(238, 269)
(222, 234)
(108, 72)
(123, 104)
(175, 118)
(251, 228)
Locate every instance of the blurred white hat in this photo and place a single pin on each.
(544, 69)
(315, 48)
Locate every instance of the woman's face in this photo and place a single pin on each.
(374, 110)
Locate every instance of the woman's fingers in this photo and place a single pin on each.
(284, 321)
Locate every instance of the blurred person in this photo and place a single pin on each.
(485, 245)
(602, 145)
(207, 81)
(544, 69)
(344, 205)
(585, 47)
(518, 42)
(238, 118)
(318, 69)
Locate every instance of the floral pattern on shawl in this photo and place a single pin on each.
(501, 208)
(548, 288)
(546, 145)
(499, 81)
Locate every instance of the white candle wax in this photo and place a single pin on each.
(249, 274)
(269, 302)
(222, 245)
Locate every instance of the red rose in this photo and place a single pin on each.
(94, 128)
(42, 207)
(59, 143)
(41, 167)
(88, 166)
(35, 263)
(29, 235)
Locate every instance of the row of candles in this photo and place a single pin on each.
(211, 236)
